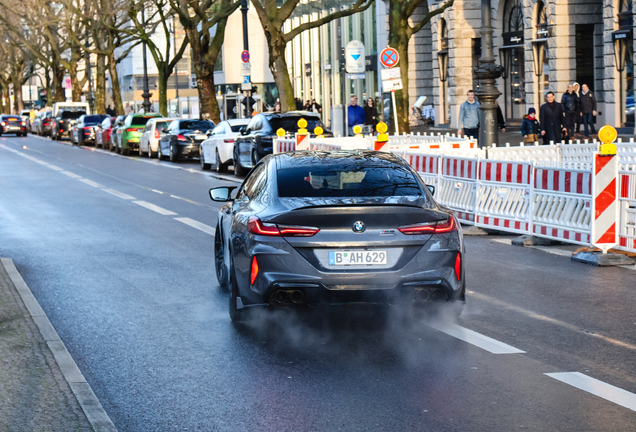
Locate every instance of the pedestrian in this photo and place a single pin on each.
(307, 106)
(370, 116)
(501, 122)
(277, 106)
(468, 121)
(530, 127)
(588, 110)
(571, 110)
(299, 104)
(355, 114)
(316, 107)
(110, 111)
(579, 118)
(551, 119)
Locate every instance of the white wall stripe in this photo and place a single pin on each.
(597, 388)
(154, 208)
(484, 342)
(198, 225)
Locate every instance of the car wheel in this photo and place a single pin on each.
(238, 169)
(159, 153)
(220, 167)
(219, 261)
(125, 151)
(204, 166)
(236, 315)
(173, 156)
(150, 153)
(254, 157)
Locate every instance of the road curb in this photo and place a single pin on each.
(91, 406)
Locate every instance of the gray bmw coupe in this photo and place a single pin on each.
(336, 227)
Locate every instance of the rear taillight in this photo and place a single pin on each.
(131, 130)
(437, 227)
(157, 134)
(181, 138)
(254, 271)
(228, 140)
(88, 128)
(3, 124)
(256, 226)
(61, 121)
(458, 265)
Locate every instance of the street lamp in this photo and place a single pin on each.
(176, 65)
(442, 64)
(487, 72)
(146, 94)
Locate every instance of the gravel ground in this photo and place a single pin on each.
(34, 396)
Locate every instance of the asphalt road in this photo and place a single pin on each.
(131, 290)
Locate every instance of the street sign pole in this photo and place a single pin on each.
(397, 129)
(391, 78)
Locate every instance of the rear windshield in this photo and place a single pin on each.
(347, 181)
(72, 114)
(290, 124)
(162, 125)
(196, 125)
(140, 121)
(94, 119)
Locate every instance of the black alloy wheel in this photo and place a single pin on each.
(219, 263)
(159, 152)
(220, 167)
(173, 155)
(238, 169)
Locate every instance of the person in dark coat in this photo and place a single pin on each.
(551, 119)
(530, 127)
(571, 109)
(370, 116)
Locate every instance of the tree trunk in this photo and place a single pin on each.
(278, 66)
(207, 97)
(114, 78)
(100, 85)
(58, 85)
(402, 96)
(18, 104)
(162, 83)
(4, 98)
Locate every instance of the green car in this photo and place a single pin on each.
(129, 133)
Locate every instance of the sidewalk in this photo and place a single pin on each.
(35, 394)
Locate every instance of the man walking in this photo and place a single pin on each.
(551, 119)
(588, 109)
(355, 114)
(468, 121)
(570, 102)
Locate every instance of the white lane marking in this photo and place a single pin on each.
(550, 320)
(91, 183)
(119, 194)
(70, 174)
(56, 168)
(154, 208)
(597, 388)
(479, 340)
(198, 225)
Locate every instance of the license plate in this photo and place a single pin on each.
(357, 257)
(200, 137)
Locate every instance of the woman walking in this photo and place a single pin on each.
(371, 116)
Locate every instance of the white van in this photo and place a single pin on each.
(71, 106)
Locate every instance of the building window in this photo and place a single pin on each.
(513, 59)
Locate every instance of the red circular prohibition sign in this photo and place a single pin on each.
(389, 57)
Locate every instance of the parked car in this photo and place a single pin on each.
(183, 138)
(303, 229)
(149, 142)
(12, 124)
(256, 140)
(43, 127)
(62, 123)
(130, 131)
(218, 149)
(25, 114)
(58, 107)
(83, 132)
(103, 131)
(36, 121)
(119, 121)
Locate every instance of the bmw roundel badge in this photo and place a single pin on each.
(359, 227)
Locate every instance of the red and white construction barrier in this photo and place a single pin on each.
(605, 202)
(457, 186)
(627, 209)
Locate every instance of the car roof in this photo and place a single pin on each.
(361, 157)
(270, 115)
(238, 122)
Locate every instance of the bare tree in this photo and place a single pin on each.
(204, 22)
(273, 19)
(400, 32)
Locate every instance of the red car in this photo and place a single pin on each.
(103, 131)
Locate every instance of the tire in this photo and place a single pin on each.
(238, 169)
(254, 157)
(159, 152)
(204, 166)
(173, 156)
(125, 151)
(236, 315)
(222, 274)
(220, 167)
(150, 153)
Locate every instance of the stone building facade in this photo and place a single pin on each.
(543, 46)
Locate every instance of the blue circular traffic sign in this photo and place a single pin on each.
(245, 56)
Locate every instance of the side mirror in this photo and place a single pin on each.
(208, 132)
(221, 194)
(164, 130)
(243, 130)
(431, 189)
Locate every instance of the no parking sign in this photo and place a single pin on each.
(389, 57)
